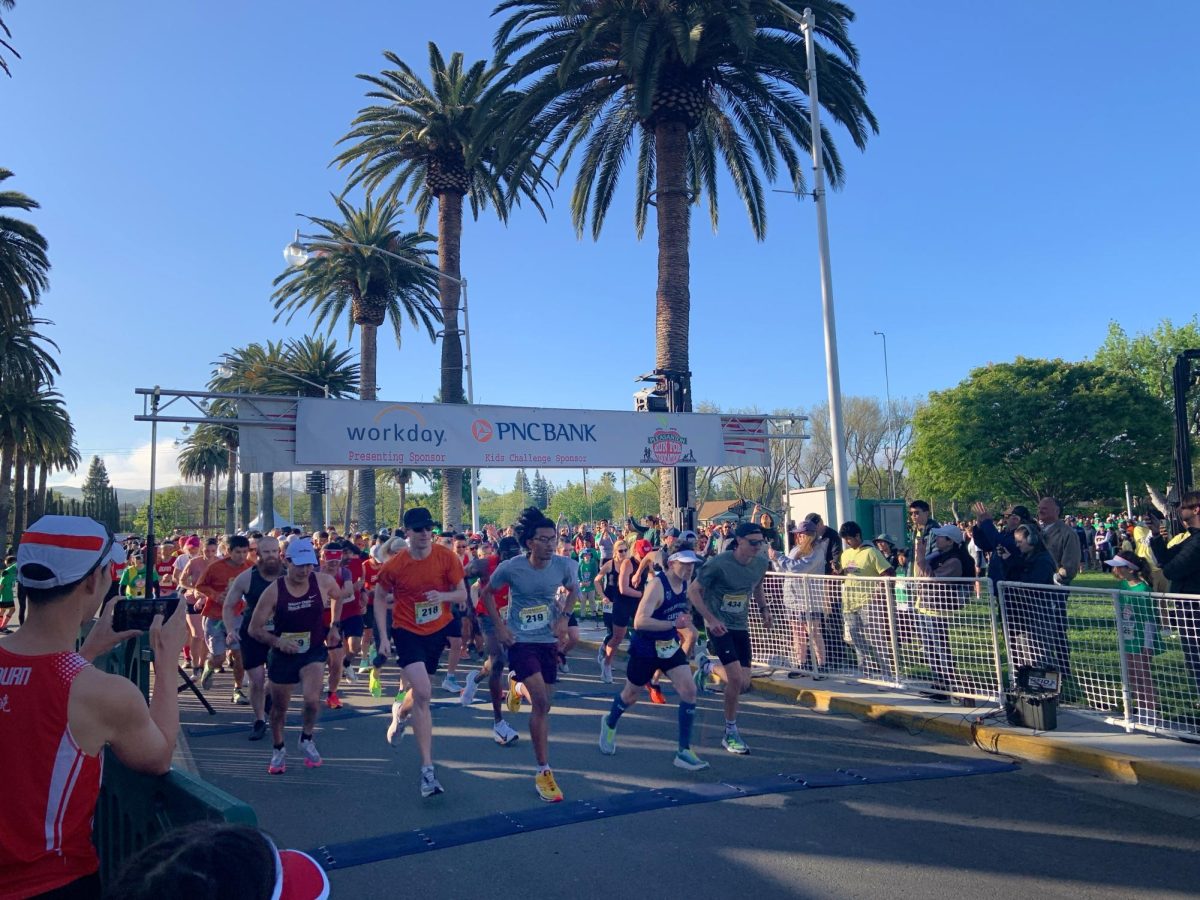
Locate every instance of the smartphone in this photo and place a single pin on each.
(138, 614)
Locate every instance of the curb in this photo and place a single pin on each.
(1038, 749)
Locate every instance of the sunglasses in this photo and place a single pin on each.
(758, 543)
(422, 529)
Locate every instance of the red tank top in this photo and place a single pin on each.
(46, 828)
(294, 615)
(500, 596)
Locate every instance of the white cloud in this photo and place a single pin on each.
(131, 469)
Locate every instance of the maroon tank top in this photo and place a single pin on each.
(295, 615)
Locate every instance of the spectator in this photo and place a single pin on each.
(60, 712)
(219, 860)
(864, 603)
(1060, 540)
(1137, 623)
(923, 523)
(1037, 618)
(833, 541)
(936, 603)
(807, 600)
(770, 532)
(1180, 562)
(721, 540)
(886, 545)
(1000, 544)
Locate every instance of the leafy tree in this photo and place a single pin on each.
(437, 141)
(1037, 427)
(204, 458)
(23, 261)
(688, 88)
(346, 277)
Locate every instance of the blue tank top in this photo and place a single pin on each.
(658, 643)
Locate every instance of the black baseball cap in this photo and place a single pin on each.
(747, 528)
(418, 517)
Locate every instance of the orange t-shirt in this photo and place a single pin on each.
(409, 579)
(214, 583)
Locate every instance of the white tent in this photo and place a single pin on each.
(281, 521)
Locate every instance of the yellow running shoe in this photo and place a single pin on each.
(514, 695)
(547, 787)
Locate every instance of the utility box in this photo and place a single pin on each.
(873, 516)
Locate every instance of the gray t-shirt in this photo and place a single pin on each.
(532, 609)
(729, 587)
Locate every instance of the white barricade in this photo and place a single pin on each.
(1133, 657)
(937, 636)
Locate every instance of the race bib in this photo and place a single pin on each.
(1129, 631)
(666, 649)
(606, 606)
(532, 618)
(302, 639)
(733, 603)
(427, 612)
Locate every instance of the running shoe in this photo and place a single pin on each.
(429, 783)
(396, 730)
(656, 694)
(562, 665)
(312, 758)
(600, 657)
(206, 679)
(351, 675)
(686, 759)
(450, 683)
(278, 762)
(333, 701)
(504, 734)
(608, 737)
(734, 744)
(238, 698)
(514, 695)
(375, 685)
(259, 731)
(469, 690)
(547, 787)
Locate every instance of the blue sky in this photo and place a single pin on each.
(1034, 177)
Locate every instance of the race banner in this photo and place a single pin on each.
(340, 434)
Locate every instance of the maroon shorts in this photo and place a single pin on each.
(526, 660)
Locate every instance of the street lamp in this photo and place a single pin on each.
(297, 254)
(887, 386)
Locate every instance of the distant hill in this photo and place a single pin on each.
(133, 496)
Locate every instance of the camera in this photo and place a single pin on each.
(139, 613)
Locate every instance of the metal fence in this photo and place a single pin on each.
(1131, 657)
(936, 636)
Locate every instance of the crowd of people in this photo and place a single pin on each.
(273, 611)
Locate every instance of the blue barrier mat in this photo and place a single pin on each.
(486, 828)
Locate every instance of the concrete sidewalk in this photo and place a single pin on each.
(1081, 741)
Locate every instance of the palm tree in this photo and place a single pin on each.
(58, 456)
(316, 361)
(23, 414)
(23, 260)
(345, 276)
(689, 87)
(23, 359)
(205, 456)
(7, 4)
(437, 141)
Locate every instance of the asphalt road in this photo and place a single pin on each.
(1037, 831)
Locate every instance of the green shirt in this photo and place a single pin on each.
(133, 581)
(8, 581)
(860, 565)
(729, 586)
(1136, 620)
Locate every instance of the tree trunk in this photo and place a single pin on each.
(30, 492)
(6, 465)
(316, 510)
(403, 499)
(449, 253)
(229, 491)
(244, 503)
(366, 391)
(43, 474)
(207, 507)
(267, 501)
(672, 310)
(18, 493)
(349, 499)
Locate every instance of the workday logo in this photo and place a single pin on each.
(401, 431)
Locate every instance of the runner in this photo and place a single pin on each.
(424, 580)
(294, 605)
(164, 567)
(625, 604)
(213, 585)
(458, 544)
(568, 550)
(190, 566)
(721, 593)
(245, 591)
(493, 666)
(133, 576)
(8, 587)
(332, 557)
(541, 626)
(662, 618)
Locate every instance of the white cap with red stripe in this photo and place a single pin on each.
(61, 550)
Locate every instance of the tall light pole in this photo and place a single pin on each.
(841, 485)
(887, 387)
(296, 254)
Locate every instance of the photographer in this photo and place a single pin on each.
(59, 712)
